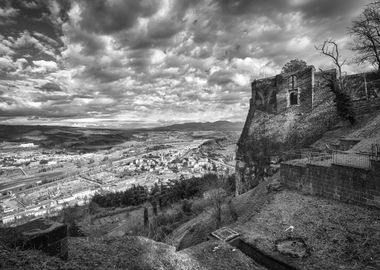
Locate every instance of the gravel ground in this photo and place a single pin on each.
(339, 235)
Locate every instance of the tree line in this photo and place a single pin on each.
(162, 194)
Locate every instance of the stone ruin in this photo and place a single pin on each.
(41, 234)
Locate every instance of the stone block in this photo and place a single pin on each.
(45, 235)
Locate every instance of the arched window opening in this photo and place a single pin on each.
(293, 98)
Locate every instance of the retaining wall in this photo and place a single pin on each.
(343, 183)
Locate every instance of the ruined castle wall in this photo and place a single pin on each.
(305, 79)
(271, 116)
(264, 94)
(271, 95)
(356, 85)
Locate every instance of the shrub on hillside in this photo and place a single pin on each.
(186, 206)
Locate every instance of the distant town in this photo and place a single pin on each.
(37, 181)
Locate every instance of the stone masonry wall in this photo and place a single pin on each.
(41, 234)
(271, 94)
(347, 184)
(355, 85)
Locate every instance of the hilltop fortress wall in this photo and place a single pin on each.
(297, 108)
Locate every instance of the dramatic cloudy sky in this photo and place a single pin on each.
(132, 63)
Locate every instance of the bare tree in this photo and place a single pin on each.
(216, 198)
(337, 84)
(330, 48)
(366, 32)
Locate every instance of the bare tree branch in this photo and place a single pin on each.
(366, 33)
(343, 101)
(330, 48)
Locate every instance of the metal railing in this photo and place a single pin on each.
(306, 155)
(352, 159)
(357, 160)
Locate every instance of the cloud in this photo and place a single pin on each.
(311, 8)
(6, 64)
(50, 87)
(221, 77)
(112, 16)
(45, 65)
(7, 15)
(26, 42)
(5, 50)
(154, 62)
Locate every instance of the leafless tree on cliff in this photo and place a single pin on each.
(330, 49)
(337, 84)
(366, 33)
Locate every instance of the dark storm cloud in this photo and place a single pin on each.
(163, 29)
(45, 98)
(50, 87)
(36, 16)
(220, 77)
(91, 43)
(311, 8)
(112, 16)
(83, 96)
(7, 100)
(52, 112)
(102, 74)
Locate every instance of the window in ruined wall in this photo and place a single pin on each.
(293, 94)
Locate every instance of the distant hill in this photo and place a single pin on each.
(92, 139)
(196, 126)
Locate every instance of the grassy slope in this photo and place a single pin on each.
(341, 236)
(367, 129)
(135, 253)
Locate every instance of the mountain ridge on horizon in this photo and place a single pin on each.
(217, 125)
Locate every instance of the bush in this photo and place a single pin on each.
(73, 230)
(164, 224)
(186, 206)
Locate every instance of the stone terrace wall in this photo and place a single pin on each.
(347, 184)
(41, 234)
